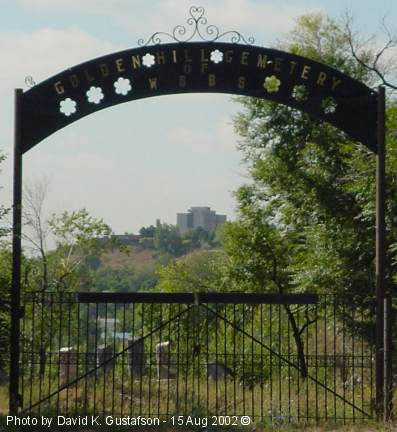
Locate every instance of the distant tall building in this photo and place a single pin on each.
(196, 217)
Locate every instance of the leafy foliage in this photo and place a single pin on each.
(4, 230)
(147, 231)
(123, 280)
(68, 266)
(168, 241)
(311, 186)
(307, 218)
(5, 289)
(5, 285)
(195, 272)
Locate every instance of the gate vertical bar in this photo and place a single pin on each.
(387, 343)
(14, 401)
(380, 247)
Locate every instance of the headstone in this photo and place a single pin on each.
(216, 371)
(164, 361)
(67, 365)
(136, 356)
(104, 353)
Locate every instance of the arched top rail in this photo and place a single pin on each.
(199, 67)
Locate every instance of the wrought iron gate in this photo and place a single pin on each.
(275, 358)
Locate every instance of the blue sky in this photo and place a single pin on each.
(147, 159)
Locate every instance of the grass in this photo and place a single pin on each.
(360, 426)
(3, 400)
(136, 257)
(279, 399)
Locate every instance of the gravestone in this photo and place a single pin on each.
(164, 361)
(216, 371)
(67, 365)
(136, 356)
(104, 353)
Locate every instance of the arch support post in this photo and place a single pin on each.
(380, 252)
(14, 397)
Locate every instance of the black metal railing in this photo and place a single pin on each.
(275, 358)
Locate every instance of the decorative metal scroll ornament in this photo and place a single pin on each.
(30, 82)
(199, 28)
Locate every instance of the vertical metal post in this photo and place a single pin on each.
(14, 401)
(387, 350)
(380, 248)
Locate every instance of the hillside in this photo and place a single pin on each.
(133, 269)
(133, 256)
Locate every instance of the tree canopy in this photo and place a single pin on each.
(307, 217)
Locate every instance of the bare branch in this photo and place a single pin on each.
(34, 199)
(378, 66)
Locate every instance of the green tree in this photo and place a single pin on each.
(67, 268)
(314, 185)
(198, 238)
(5, 288)
(4, 229)
(199, 271)
(76, 234)
(79, 241)
(147, 231)
(306, 220)
(260, 260)
(123, 280)
(167, 239)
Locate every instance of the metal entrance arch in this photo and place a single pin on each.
(219, 63)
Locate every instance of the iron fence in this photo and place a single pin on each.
(275, 358)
